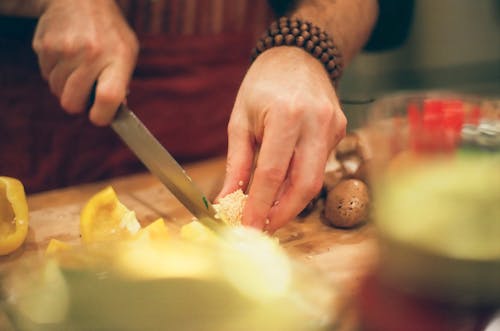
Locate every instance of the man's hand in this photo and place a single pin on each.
(81, 42)
(287, 117)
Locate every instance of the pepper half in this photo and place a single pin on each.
(14, 215)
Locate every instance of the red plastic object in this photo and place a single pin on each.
(437, 126)
(473, 116)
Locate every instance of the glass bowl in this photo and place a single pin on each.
(434, 169)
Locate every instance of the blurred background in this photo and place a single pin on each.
(196, 52)
(445, 44)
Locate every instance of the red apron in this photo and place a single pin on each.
(194, 54)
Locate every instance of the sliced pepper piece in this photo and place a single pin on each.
(105, 218)
(157, 230)
(55, 246)
(14, 215)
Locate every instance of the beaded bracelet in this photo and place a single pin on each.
(295, 32)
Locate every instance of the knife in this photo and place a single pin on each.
(161, 164)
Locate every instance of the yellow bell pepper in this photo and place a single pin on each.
(14, 215)
(157, 230)
(105, 218)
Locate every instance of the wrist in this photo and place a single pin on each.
(288, 57)
(304, 35)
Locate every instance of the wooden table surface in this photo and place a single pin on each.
(344, 256)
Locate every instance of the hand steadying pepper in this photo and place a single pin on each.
(288, 109)
(287, 116)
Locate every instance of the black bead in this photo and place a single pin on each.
(286, 31)
(309, 46)
(268, 42)
(306, 35)
(278, 40)
(299, 41)
(317, 51)
(289, 39)
(260, 46)
(324, 57)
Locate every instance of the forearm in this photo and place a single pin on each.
(27, 8)
(348, 22)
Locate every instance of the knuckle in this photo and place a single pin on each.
(110, 95)
(69, 105)
(44, 46)
(237, 128)
(132, 52)
(102, 119)
(234, 127)
(67, 47)
(326, 111)
(295, 110)
(134, 45)
(91, 49)
(322, 111)
(88, 46)
(289, 114)
(36, 45)
(342, 121)
(127, 50)
(122, 49)
(332, 122)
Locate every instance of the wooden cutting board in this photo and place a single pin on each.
(343, 255)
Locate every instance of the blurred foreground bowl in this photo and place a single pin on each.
(435, 178)
(241, 281)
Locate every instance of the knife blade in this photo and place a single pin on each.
(161, 164)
